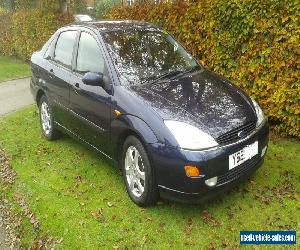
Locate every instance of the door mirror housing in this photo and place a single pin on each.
(93, 79)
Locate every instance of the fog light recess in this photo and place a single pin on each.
(263, 151)
(212, 181)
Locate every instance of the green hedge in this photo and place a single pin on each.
(5, 34)
(255, 43)
(24, 32)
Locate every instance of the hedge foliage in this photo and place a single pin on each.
(73, 6)
(24, 32)
(254, 43)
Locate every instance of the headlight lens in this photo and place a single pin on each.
(190, 137)
(259, 113)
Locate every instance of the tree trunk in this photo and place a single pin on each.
(63, 6)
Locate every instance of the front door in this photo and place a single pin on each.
(90, 105)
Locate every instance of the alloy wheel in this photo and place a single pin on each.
(46, 118)
(135, 171)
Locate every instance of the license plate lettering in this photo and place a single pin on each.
(243, 155)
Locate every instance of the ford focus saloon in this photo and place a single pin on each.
(130, 91)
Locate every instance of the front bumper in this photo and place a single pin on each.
(175, 185)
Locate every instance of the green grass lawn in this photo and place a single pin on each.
(79, 198)
(11, 68)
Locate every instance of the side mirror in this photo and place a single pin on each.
(93, 79)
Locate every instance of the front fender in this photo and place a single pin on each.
(129, 124)
(140, 127)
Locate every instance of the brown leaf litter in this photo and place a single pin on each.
(11, 221)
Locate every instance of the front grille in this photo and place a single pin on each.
(237, 133)
(238, 171)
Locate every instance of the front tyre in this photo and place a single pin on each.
(46, 120)
(138, 174)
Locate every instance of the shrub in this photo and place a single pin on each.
(32, 29)
(2, 10)
(73, 6)
(253, 43)
(24, 32)
(104, 6)
(5, 34)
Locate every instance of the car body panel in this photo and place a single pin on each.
(200, 98)
(90, 106)
(169, 162)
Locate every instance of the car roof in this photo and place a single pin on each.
(116, 25)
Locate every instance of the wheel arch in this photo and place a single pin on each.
(39, 95)
(137, 128)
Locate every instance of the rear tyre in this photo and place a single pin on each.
(138, 174)
(47, 120)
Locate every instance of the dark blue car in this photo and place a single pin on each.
(130, 91)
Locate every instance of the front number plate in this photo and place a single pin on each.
(243, 155)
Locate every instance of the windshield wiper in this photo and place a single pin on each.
(172, 73)
(156, 78)
(191, 69)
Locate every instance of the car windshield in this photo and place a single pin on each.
(141, 56)
(84, 18)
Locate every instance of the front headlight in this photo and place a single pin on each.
(190, 137)
(259, 113)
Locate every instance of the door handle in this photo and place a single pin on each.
(51, 73)
(76, 87)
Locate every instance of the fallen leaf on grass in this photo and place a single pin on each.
(98, 215)
(230, 214)
(148, 218)
(234, 247)
(284, 188)
(7, 174)
(190, 221)
(224, 243)
(209, 219)
(162, 224)
(60, 240)
(26, 211)
(211, 246)
(189, 225)
(78, 178)
(265, 199)
(44, 243)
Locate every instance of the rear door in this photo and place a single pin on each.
(90, 105)
(59, 73)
